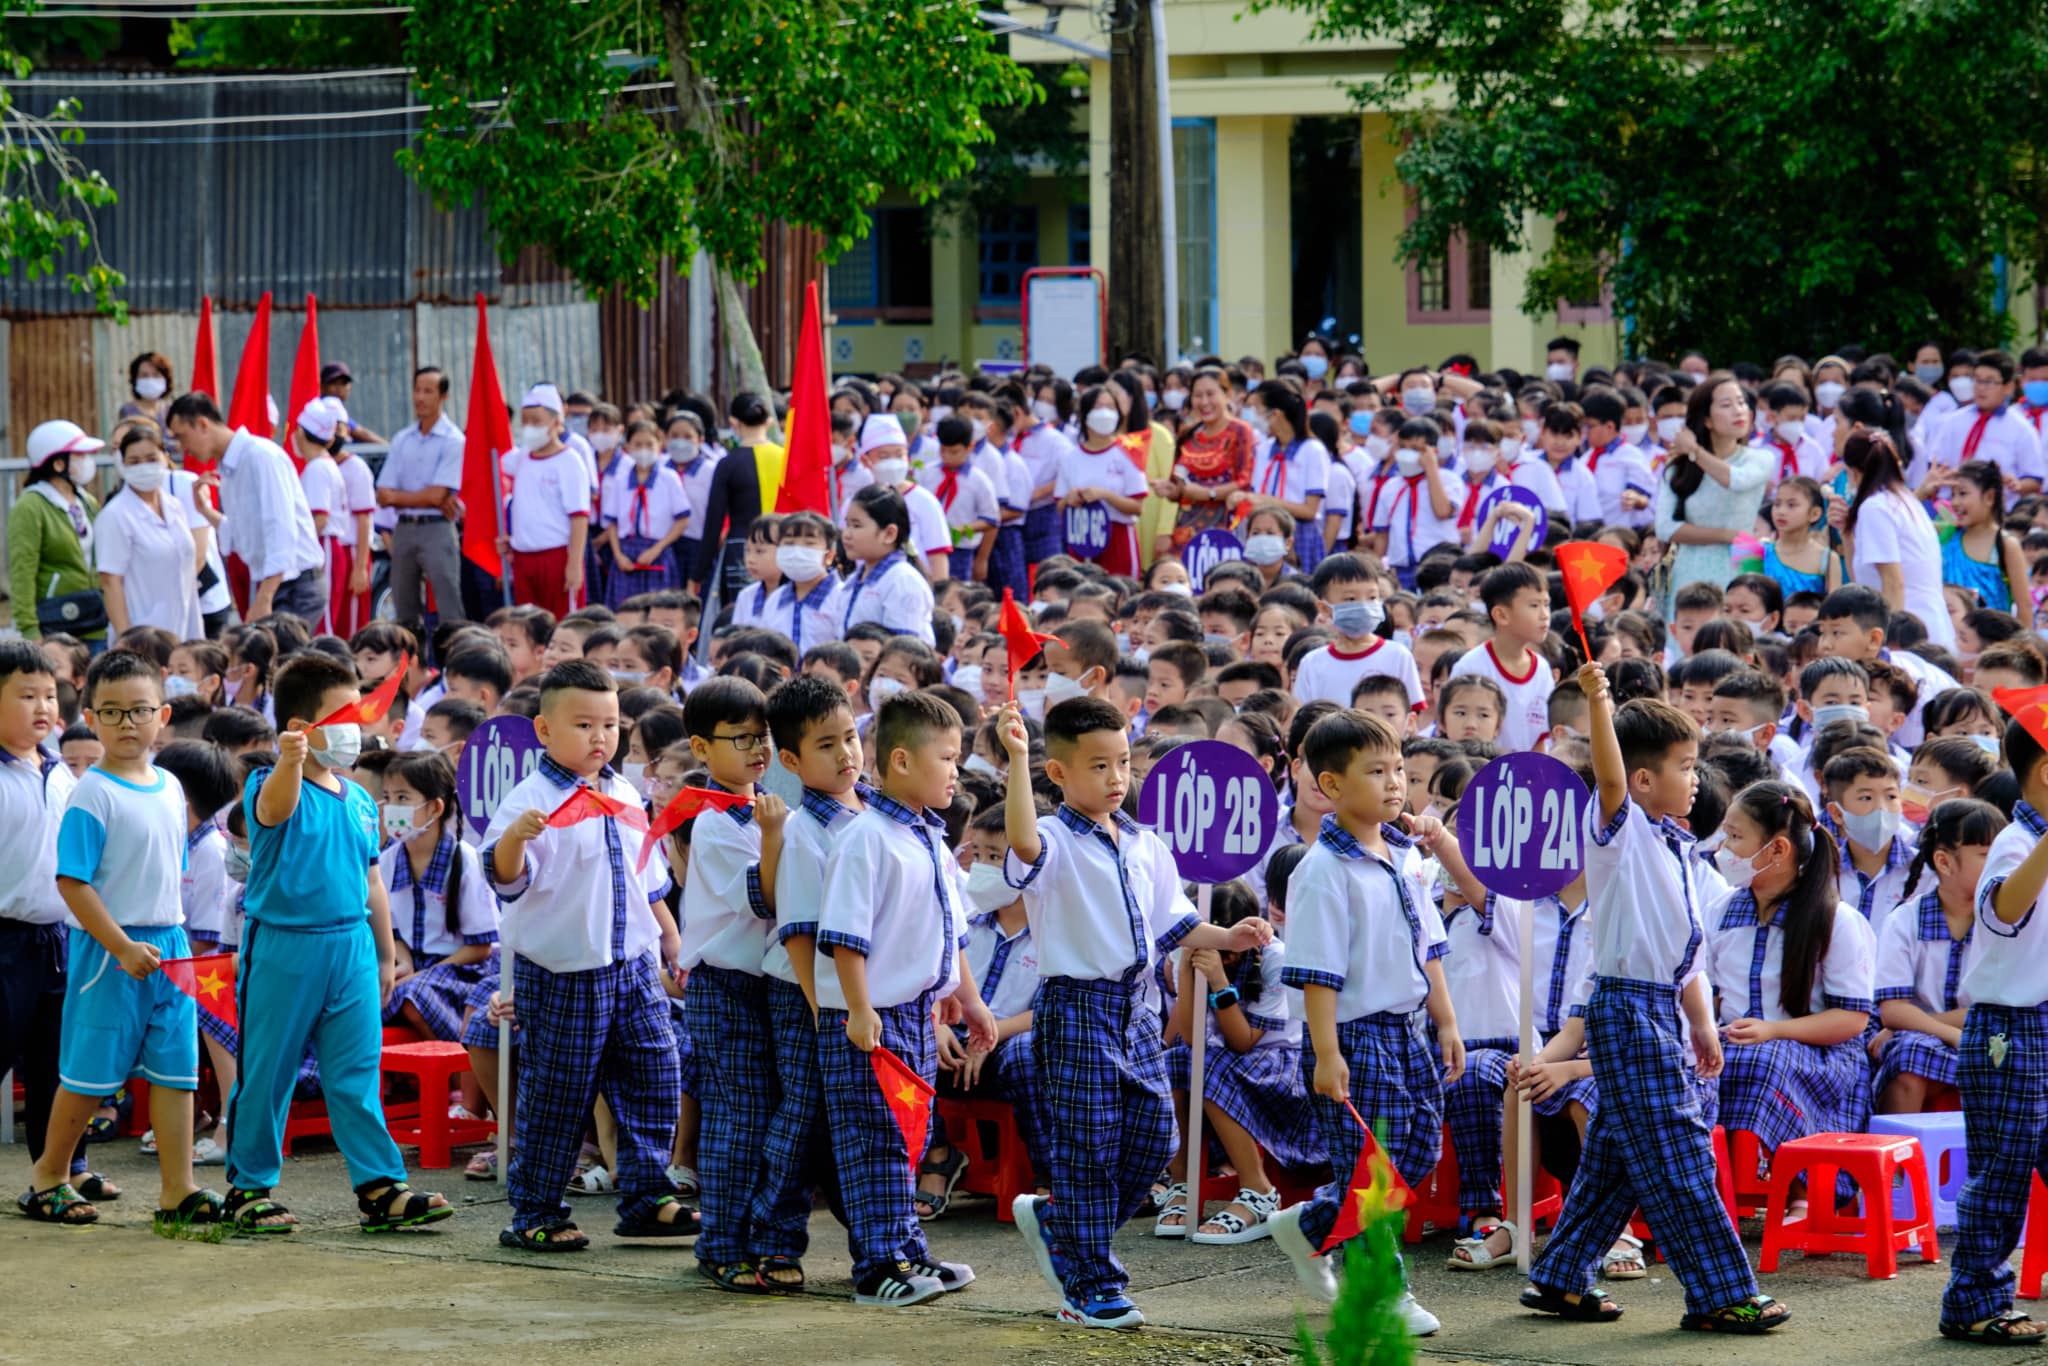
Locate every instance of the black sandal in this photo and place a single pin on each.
(382, 1212)
(1595, 1306)
(777, 1262)
(1747, 1318)
(200, 1207)
(1996, 1332)
(556, 1235)
(952, 1169)
(739, 1278)
(95, 1187)
(650, 1224)
(245, 1208)
(59, 1204)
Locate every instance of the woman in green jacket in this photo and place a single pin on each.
(49, 533)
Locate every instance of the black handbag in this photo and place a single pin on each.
(74, 614)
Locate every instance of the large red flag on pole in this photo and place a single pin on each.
(806, 478)
(250, 407)
(205, 369)
(486, 436)
(305, 379)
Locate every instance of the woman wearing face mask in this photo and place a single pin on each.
(1708, 495)
(694, 463)
(147, 560)
(645, 511)
(1887, 536)
(49, 539)
(149, 383)
(1149, 445)
(1291, 472)
(1314, 358)
(1213, 473)
(1793, 970)
(1100, 490)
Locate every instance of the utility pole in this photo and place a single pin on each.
(1137, 283)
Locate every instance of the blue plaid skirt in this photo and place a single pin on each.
(1044, 534)
(1308, 543)
(1910, 1053)
(1260, 1089)
(620, 584)
(441, 993)
(1782, 1089)
(1006, 564)
(477, 1029)
(1580, 1089)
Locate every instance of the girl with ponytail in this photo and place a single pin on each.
(1920, 951)
(1793, 970)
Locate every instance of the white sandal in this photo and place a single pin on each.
(1262, 1204)
(1173, 1200)
(592, 1181)
(1630, 1265)
(1477, 1256)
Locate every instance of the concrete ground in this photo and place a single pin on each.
(116, 1293)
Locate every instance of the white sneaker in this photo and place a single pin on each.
(148, 1143)
(207, 1153)
(1317, 1280)
(1420, 1322)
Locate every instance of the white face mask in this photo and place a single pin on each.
(604, 443)
(533, 438)
(880, 690)
(1408, 462)
(1532, 430)
(1060, 688)
(1558, 371)
(980, 430)
(1256, 420)
(644, 457)
(400, 822)
(344, 745)
(1377, 446)
(1790, 432)
(1829, 393)
(1481, 459)
(1634, 432)
(145, 478)
(1839, 711)
(1044, 411)
(1739, 872)
(79, 468)
(1179, 590)
(1103, 421)
(1418, 401)
(682, 452)
(892, 470)
(1511, 449)
(967, 678)
(150, 387)
(940, 412)
(986, 890)
(1872, 829)
(1174, 399)
(800, 563)
(1668, 428)
(1964, 387)
(1265, 548)
(636, 774)
(1032, 700)
(977, 763)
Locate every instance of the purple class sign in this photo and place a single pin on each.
(502, 752)
(1503, 541)
(1206, 550)
(1521, 825)
(1087, 530)
(1214, 806)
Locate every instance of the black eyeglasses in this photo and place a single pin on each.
(134, 716)
(746, 742)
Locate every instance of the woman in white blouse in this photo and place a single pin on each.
(1887, 536)
(143, 547)
(1712, 486)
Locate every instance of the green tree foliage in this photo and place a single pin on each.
(1745, 177)
(1042, 133)
(304, 41)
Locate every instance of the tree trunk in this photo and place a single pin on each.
(742, 351)
(1137, 285)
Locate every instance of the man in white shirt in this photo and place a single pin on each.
(421, 477)
(1989, 428)
(261, 497)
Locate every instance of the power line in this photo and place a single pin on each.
(301, 9)
(342, 115)
(124, 82)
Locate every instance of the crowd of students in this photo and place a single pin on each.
(1810, 862)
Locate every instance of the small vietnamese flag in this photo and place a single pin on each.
(209, 980)
(369, 710)
(1025, 644)
(587, 803)
(680, 808)
(1372, 1180)
(909, 1098)
(2028, 706)
(1590, 569)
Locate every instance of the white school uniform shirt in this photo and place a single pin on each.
(1616, 468)
(1293, 473)
(1483, 967)
(325, 496)
(416, 711)
(1413, 528)
(1892, 528)
(419, 906)
(727, 921)
(893, 894)
(1933, 681)
(137, 875)
(546, 494)
(2009, 441)
(203, 889)
(1341, 497)
(261, 494)
(651, 509)
(1361, 925)
(33, 795)
(892, 591)
(807, 839)
(1328, 674)
(560, 910)
(1644, 898)
(359, 495)
(1376, 487)
(1532, 472)
(152, 554)
(1015, 485)
(1745, 961)
(1043, 448)
(696, 477)
(929, 534)
(975, 500)
(1563, 945)
(1528, 715)
(1804, 457)
(1105, 469)
(750, 608)
(1010, 992)
(1581, 491)
(1918, 961)
(853, 477)
(216, 598)
(1099, 911)
(2007, 965)
(808, 623)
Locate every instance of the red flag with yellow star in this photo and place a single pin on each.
(909, 1097)
(1590, 569)
(1024, 643)
(209, 980)
(1374, 1185)
(368, 711)
(2028, 706)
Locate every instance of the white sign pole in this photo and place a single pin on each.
(1198, 1041)
(1525, 1173)
(505, 958)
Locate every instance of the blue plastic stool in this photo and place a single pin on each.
(1948, 1164)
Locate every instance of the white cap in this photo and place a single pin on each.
(57, 438)
(543, 396)
(881, 430)
(322, 418)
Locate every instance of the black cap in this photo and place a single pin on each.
(334, 370)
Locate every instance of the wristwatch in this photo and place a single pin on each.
(1224, 999)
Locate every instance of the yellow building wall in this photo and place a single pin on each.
(1254, 294)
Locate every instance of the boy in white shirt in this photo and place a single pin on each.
(1561, 436)
(893, 921)
(550, 509)
(326, 495)
(1103, 900)
(586, 980)
(1518, 601)
(1350, 594)
(1422, 512)
(974, 512)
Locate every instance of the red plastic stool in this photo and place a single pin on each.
(2035, 1262)
(424, 1123)
(1002, 1169)
(1435, 1201)
(1746, 1156)
(1875, 1161)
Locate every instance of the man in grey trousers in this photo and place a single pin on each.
(421, 477)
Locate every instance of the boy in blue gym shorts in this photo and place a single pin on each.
(120, 857)
(1102, 898)
(317, 963)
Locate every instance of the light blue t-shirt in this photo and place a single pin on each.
(128, 841)
(312, 872)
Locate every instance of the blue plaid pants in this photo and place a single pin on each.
(1397, 1085)
(1649, 1145)
(2005, 1109)
(1044, 535)
(875, 1181)
(738, 1090)
(796, 1152)
(1110, 1113)
(1006, 563)
(582, 1034)
(1474, 1108)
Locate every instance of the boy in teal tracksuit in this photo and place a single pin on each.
(316, 963)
